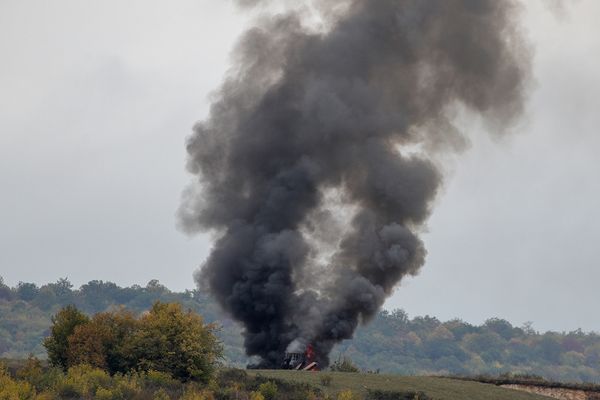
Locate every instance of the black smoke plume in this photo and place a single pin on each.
(304, 169)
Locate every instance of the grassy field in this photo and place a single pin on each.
(436, 388)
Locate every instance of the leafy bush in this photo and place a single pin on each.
(158, 379)
(127, 386)
(68, 390)
(11, 389)
(344, 365)
(346, 395)
(82, 381)
(161, 394)
(32, 372)
(107, 394)
(256, 396)
(268, 390)
(199, 395)
(178, 342)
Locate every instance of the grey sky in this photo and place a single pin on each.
(97, 98)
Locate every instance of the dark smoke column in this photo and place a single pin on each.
(301, 167)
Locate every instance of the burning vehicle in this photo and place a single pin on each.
(301, 361)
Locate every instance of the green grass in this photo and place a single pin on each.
(436, 388)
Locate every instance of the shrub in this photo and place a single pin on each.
(345, 365)
(45, 396)
(256, 396)
(32, 371)
(41, 379)
(126, 386)
(68, 390)
(346, 395)
(11, 389)
(172, 340)
(230, 376)
(82, 381)
(268, 390)
(229, 392)
(106, 394)
(161, 394)
(158, 379)
(312, 396)
(198, 395)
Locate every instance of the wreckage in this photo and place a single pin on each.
(301, 361)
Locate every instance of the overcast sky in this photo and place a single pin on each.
(97, 98)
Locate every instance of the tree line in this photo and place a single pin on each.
(392, 342)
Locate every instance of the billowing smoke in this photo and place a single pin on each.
(317, 166)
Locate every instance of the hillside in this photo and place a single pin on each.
(436, 388)
(391, 343)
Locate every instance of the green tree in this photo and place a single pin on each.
(46, 298)
(592, 355)
(27, 291)
(97, 295)
(62, 290)
(5, 292)
(171, 340)
(501, 327)
(63, 326)
(103, 342)
(154, 286)
(482, 342)
(549, 348)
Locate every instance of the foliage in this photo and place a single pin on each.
(346, 395)
(84, 382)
(5, 291)
(24, 323)
(391, 342)
(344, 365)
(166, 342)
(11, 389)
(268, 390)
(103, 342)
(171, 340)
(34, 373)
(89, 383)
(256, 396)
(63, 326)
